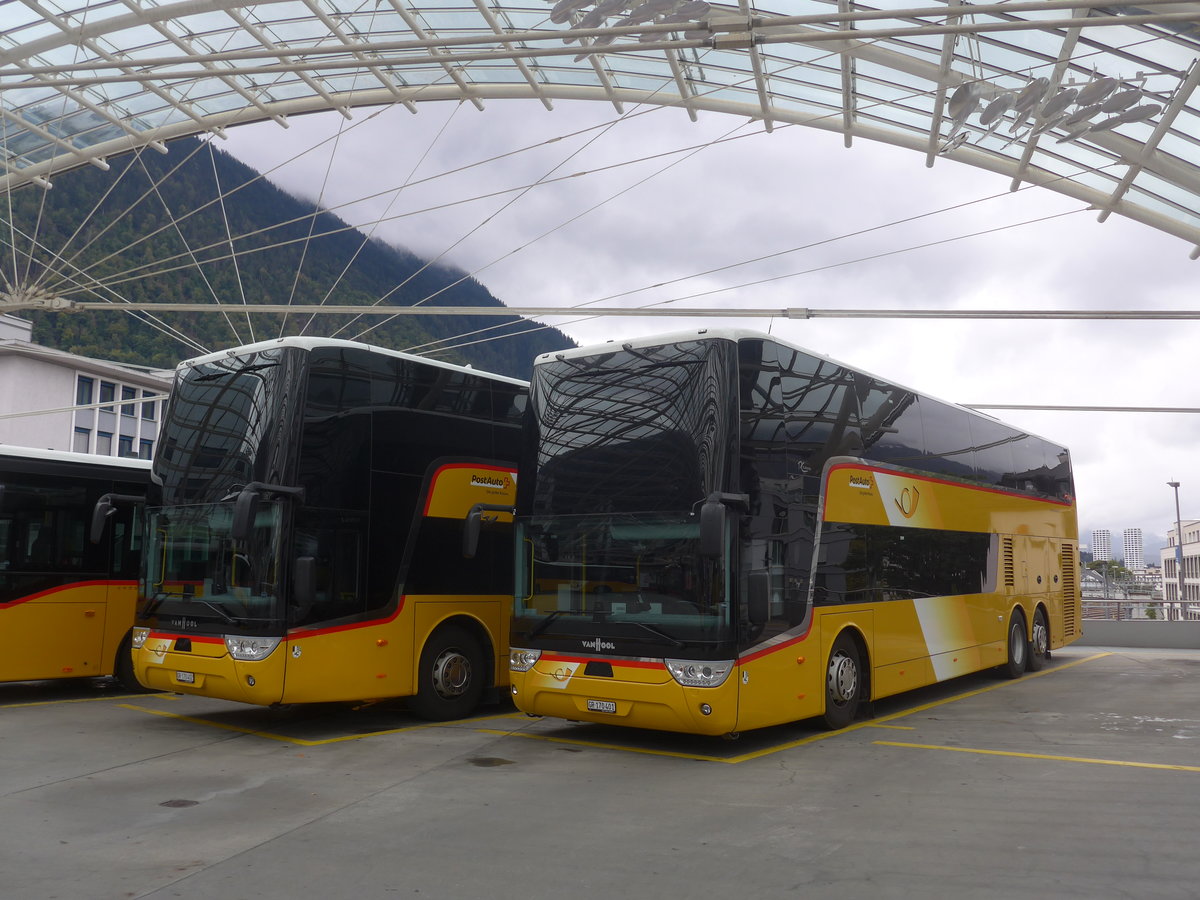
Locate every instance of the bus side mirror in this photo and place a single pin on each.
(712, 529)
(758, 603)
(245, 510)
(473, 524)
(100, 513)
(304, 582)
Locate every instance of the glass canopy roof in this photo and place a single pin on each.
(1096, 101)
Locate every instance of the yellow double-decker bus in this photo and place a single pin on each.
(718, 531)
(335, 525)
(68, 574)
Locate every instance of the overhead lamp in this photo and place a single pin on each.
(1073, 110)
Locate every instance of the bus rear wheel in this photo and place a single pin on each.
(450, 679)
(1039, 647)
(1018, 646)
(843, 682)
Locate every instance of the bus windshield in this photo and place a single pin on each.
(636, 578)
(198, 572)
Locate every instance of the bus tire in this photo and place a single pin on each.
(123, 665)
(451, 679)
(1039, 646)
(1018, 646)
(843, 682)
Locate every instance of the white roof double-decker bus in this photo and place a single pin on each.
(719, 531)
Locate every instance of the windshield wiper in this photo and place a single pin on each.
(154, 603)
(544, 623)
(217, 609)
(675, 642)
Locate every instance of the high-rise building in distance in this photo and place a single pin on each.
(1101, 544)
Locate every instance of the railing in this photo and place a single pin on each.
(1140, 610)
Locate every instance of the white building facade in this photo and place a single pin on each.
(1133, 550)
(54, 400)
(1189, 551)
(1101, 545)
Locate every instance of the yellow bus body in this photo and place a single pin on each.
(363, 661)
(908, 643)
(69, 631)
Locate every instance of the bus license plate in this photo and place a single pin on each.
(604, 706)
(185, 677)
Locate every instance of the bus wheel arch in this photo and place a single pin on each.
(846, 679)
(1039, 640)
(123, 664)
(453, 671)
(1017, 642)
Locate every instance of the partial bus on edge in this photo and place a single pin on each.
(66, 601)
(336, 525)
(718, 531)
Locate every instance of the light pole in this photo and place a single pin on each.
(1178, 546)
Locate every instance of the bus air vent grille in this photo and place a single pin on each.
(1070, 592)
(1008, 567)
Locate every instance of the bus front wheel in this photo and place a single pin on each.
(843, 682)
(1039, 647)
(1018, 646)
(123, 665)
(450, 680)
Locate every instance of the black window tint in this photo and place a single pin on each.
(993, 450)
(860, 563)
(891, 426)
(947, 439)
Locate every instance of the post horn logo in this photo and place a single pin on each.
(907, 502)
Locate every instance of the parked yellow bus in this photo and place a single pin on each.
(66, 602)
(719, 531)
(335, 525)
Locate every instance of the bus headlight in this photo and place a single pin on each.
(699, 672)
(138, 637)
(248, 649)
(520, 660)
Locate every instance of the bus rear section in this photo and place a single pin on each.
(66, 601)
(345, 535)
(720, 532)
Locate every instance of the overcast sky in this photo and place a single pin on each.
(653, 222)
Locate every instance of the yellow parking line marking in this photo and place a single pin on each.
(894, 727)
(303, 742)
(1046, 756)
(74, 700)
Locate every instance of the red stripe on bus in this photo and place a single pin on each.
(194, 638)
(630, 663)
(296, 633)
(65, 587)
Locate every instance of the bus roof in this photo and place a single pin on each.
(69, 456)
(314, 343)
(739, 334)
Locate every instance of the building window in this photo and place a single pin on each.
(148, 408)
(128, 409)
(146, 449)
(104, 443)
(108, 393)
(125, 445)
(83, 391)
(82, 440)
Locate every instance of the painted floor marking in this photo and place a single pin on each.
(77, 700)
(1046, 756)
(303, 742)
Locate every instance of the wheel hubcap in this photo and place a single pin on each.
(1041, 639)
(843, 678)
(451, 674)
